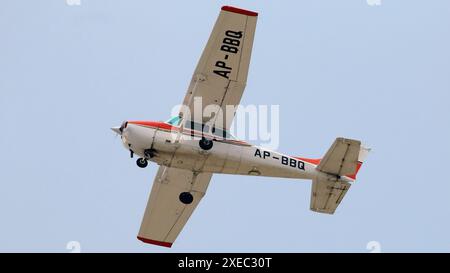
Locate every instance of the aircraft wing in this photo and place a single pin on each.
(165, 215)
(327, 195)
(221, 73)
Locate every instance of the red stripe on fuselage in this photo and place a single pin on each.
(154, 124)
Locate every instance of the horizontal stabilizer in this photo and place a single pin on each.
(342, 158)
(327, 195)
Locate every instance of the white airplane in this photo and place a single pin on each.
(190, 149)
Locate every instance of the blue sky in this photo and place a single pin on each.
(336, 68)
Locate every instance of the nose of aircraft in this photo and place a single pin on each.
(119, 130)
(116, 130)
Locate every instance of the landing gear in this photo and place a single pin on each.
(186, 198)
(149, 153)
(142, 162)
(205, 144)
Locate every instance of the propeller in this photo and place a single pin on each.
(119, 130)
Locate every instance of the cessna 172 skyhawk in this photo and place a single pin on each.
(189, 149)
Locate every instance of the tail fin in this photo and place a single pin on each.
(344, 158)
(363, 152)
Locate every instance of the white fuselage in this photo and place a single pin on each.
(180, 149)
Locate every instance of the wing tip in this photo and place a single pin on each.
(322, 211)
(154, 242)
(240, 11)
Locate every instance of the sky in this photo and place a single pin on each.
(378, 73)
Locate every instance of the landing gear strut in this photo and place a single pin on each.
(205, 144)
(149, 153)
(142, 162)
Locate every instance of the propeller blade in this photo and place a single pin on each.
(116, 130)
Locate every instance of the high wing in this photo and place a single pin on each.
(165, 215)
(327, 195)
(221, 73)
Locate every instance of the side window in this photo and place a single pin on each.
(221, 133)
(197, 126)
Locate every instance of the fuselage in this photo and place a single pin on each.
(178, 147)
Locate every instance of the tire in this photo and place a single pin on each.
(205, 144)
(142, 162)
(186, 198)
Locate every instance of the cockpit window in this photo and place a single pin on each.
(175, 121)
(221, 133)
(197, 126)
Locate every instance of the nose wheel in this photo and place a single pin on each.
(142, 162)
(205, 144)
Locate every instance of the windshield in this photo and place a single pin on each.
(175, 121)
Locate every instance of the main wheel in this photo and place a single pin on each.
(205, 144)
(186, 198)
(142, 162)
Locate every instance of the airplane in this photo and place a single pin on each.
(189, 149)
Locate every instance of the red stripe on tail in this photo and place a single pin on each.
(353, 176)
(310, 160)
(317, 162)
